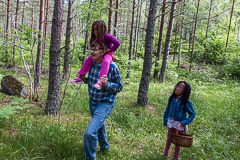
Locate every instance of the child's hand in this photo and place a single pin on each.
(104, 80)
(181, 124)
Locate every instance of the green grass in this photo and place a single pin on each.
(134, 132)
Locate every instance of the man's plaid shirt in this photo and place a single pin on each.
(114, 84)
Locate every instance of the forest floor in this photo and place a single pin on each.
(134, 132)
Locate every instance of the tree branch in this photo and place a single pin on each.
(17, 46)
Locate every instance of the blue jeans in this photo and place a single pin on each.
(96, 130)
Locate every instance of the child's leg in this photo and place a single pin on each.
(168, 143)
(177, 149)
(106, 61)
(87, 65)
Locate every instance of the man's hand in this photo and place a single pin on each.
(82, 77)
(104, 80)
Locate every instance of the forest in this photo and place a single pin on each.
(43, 44)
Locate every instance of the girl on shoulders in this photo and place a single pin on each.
(99, 35)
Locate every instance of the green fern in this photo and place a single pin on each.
(13, 107)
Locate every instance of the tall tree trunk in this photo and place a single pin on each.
(52, 103)
(67, 41)
(85, 46)
(181, 34)
(127, 28)
(209, 16)
(229, 26)
(175, 45)
(15, 27)
(194, 33)
(138, 29)
(32, 35)
(86, 37)
(238, 33)
(23, 12)
(7, 29)
(110, 16)
(46, 25)
(160, 38)
(147, 64)
(116, 17)
(135, 31)
(167, 43)
(144, 23)
(38, 67)
(190, 35)
(131, 40)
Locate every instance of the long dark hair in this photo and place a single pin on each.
(101, 31)
(185, 95)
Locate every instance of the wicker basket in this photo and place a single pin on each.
(183, 140)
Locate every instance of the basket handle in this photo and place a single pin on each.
(179, 126)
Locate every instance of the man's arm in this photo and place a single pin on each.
(115, 83)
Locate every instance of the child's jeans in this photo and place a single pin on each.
(168, 143)
(106, 61)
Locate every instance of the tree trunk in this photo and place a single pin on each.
(127, 28)
(130, 43)
(144, 23)
(135, 31)
(38, 67)
(194, 33)
(147, 64)
(238, 33)
(160, 38)
(181, 34)
(86, 37)
(209, 16)
(67, 41)
(116, 17)
(32, 35)
(85, 46)
(167, 43)
(23, 12)
(52, 103)
(46, 25)
(190, 35)
(229, 26)
(15, 27)
(138, 29)
(7, 30)
(110, 16)
(175, 45)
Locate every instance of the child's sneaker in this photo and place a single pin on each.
(98, 85)
(77, 80)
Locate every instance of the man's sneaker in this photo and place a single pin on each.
(98, 85)
(76, 80)
(104, 150)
